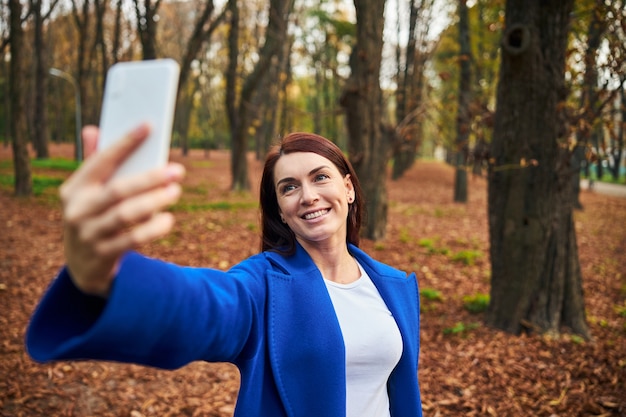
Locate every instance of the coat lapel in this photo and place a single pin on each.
(305, 342)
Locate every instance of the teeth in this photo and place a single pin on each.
(315, 214)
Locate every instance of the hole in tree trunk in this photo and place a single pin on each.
(516, 39)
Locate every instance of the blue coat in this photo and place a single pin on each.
(270, 315)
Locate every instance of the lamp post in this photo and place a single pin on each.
(67, 77)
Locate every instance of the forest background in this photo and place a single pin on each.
(392, 83)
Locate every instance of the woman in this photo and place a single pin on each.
(315, 326)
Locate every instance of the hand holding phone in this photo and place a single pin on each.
(140, 92)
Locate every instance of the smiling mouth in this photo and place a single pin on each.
(315, 214)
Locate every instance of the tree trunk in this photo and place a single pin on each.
(589, 101)
(536, 281)
(618, 143)
(23, 182)
(40, 119)
(463, 111)
(199, 37)
(100, 7)
(368, 148)
(82, 22)
(231, 92)
(239, 114)
(269, 101)
(147, 26)
(410, 86)
(117, 33)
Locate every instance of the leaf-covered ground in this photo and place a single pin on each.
(466, 369)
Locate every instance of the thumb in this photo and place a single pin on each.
(90, 139)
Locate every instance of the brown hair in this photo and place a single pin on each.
(276, 235)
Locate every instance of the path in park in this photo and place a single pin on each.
(606, 188)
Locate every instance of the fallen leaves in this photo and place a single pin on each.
(475, 372)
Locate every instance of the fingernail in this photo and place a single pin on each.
(140, 131)
(174, 189)
(175, 171)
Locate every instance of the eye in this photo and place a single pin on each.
(287, 188)
(321, 177)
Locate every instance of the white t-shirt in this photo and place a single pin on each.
(373, 345)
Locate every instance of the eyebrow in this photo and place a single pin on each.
(311, 172)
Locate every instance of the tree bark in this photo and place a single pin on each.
(463, 110)
(536, 281)
(21, 162)
(40, 117)
(368, 149)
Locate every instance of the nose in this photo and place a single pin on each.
(309, 195)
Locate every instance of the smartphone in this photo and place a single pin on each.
(140, 92)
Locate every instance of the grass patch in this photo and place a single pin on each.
(432, 248)
(476, 303)
(431, 294)
(429, 298)
(55, 163)
(40, 183)
(461, 328)
(467, 257)
(59, 164)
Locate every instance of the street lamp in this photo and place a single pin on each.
(67, 77)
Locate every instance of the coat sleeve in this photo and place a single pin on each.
(158, 314)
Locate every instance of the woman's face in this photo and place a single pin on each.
(313, 197)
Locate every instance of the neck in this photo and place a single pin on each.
(334, 262)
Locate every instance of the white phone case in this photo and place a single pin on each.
(138, 92)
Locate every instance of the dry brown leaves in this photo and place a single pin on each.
(475, 371)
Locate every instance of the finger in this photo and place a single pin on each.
(92, 200)
(156, 226)
(129, 212)
(90, 140)
(101, 166)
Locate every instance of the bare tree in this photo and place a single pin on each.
(203, 28)
(238, 110)
(410, 80)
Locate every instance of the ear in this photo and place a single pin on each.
(349, 188)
